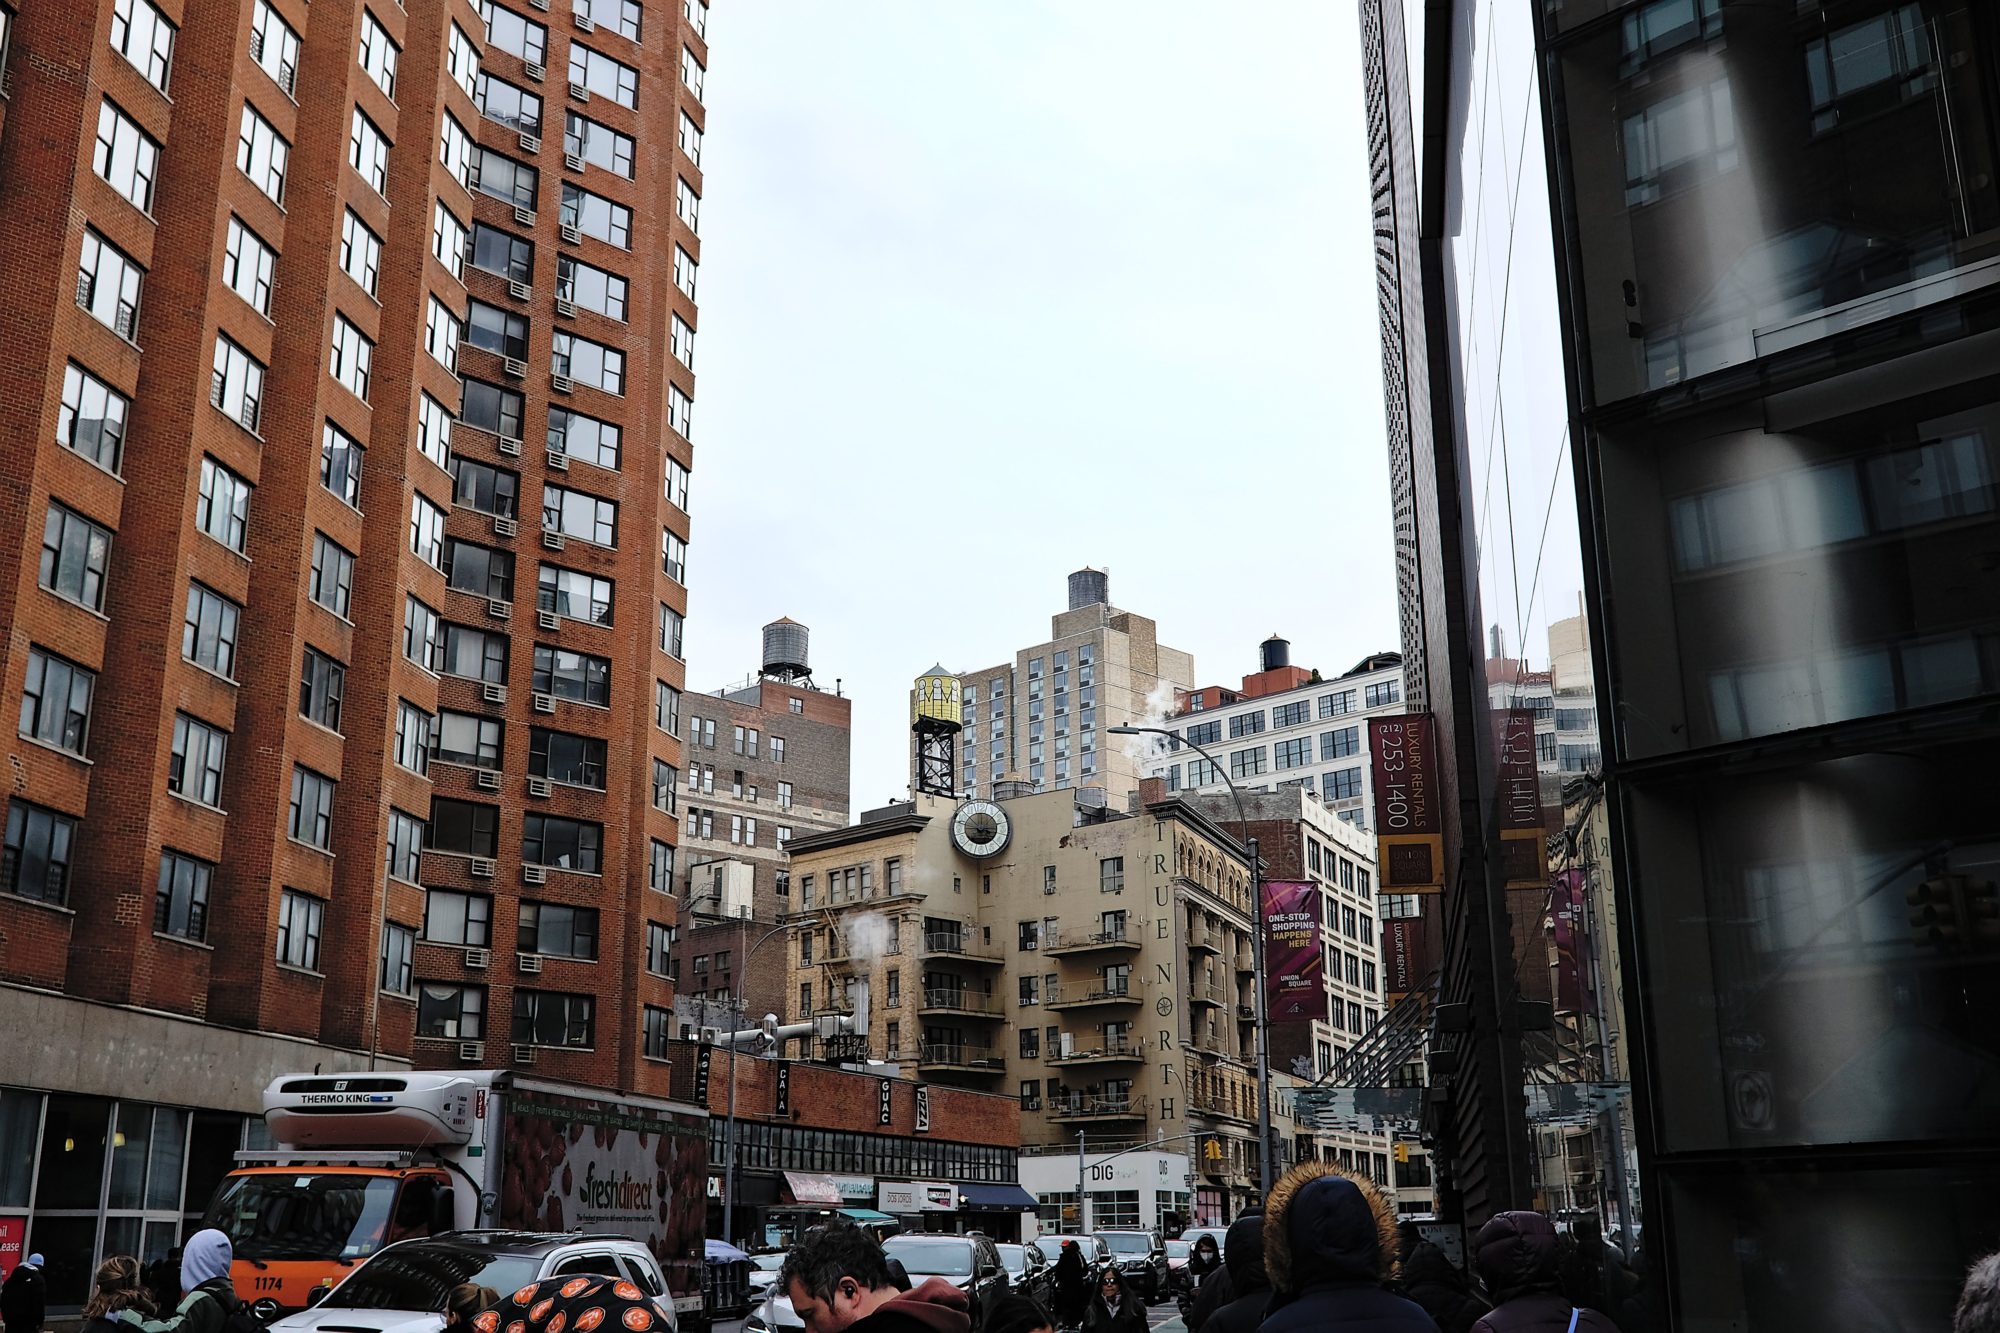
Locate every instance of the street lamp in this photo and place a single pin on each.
(729, 1127)
(1265, 1127)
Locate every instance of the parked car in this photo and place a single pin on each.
(970, 1262)
(1142, 1257)
(402, 1288)
(1027, 1271)
(763, 1272)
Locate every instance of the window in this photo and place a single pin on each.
(502, 102)
(660, 866)
(413, 737)
(677, 496)
(1246, 763)
(236, 384)
(208, 632)
(55, 701)
(577, 761)
(667, 708)
(1291, 715)
(1341, 785)
(457, 1012)
(685, 271)
(378, 55)
(246, 266)
(441, 334)
(35, 863)
(448, 237)
(805, 993)
(406, 845)
(467, 738)
(1048, 879)
(690, 138)
(107, 285)
(1111, 874)
(621, 16)
(784, 795)
(74, 553)
(502, 252)
(1031, 1043)
(399, 947)
(566, 844)
(657, 947)
(580, 515)
(1294, 753)
(474, 654)
(261, 154)
(332, 580)
(692, 72)
(360, 252)
(1031, 990)
(352, 358)
(489, 407)
(682, 341)
(673, 556)
(604, 76)
(496, 330)
(194, 768)
(479, 570)
(551, 928)
(575, 595)
(1200, 773)
(585, 439)
(322, 684)
(311, 819)
(589, 362)
(572, 675)
(274, 46)
(502, 177)
(697, 16)
(598, 145)
(596, 216)
(142, 34)
(1378, 696)
(673, 627)
(680, 411)
(127, 158)
(591, 288)
(422, 637)
(223, 510)
(1333, 705)
(458, 918)
(180, 902)
(462, 60)
(510, 32)
(464, 828)
(687, 204)
(1202, 733)
(1246, 724)
(299, 917)
(1339, 744)
(92, 420)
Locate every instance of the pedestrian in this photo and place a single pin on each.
(1519, 1257)
(120, 1286)
(838, 1278)
(1329, 1246)
(1979, 1304)
(466, 1300)
(1018, 1314)
(207, 1299)
(1204, 1258)
(1201, 1301)
(1433, 1281)
(24, 1297)
(1114, 1307)
(1072, 1286)
(1243, 1275)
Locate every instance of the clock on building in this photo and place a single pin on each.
(980, 829)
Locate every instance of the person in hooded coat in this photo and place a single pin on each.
(1250, 1286)
(1329, 1246)
(209, 1299)
(24, 1297)
(1519, 1257)
(1432, 1280)
(1072, 1286)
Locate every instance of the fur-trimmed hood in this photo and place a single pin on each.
(1323, 1224)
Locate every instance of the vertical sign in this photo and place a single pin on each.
(13, 1232)
(923, 1109)
(1517, 800)
(702, 1056)
(882, 1113)
(1294, 992)
(1572, 941)
(782, 1106)
(1409, 819)
(1405, 961)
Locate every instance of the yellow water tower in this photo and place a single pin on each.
(937, 711)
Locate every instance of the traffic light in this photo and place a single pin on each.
(1211, 1149)
(1403, 1153)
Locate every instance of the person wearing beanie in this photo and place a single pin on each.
(1329, 1247)
(24, 1297)
(1249, 1285)
(1517, 1255)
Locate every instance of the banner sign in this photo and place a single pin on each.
(1572, 941)
(900, 1198)
(1405, 960)
(1409, 817)
(1517, 800)
(13, 1231)
(923, 1109)
(884, 1110)
(1293, 960)
(782, 1106)
(703, 1055)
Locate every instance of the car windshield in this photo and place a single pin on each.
(1128, 1242)
(1015, 1257)
(941, 1258)
(305, 1215)
(420, 1275)
(768, 1263)
(1177, 1249)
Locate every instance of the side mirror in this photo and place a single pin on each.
(316, 1295)
(989, 1270)
(444, 1211)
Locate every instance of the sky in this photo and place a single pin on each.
(990, 292)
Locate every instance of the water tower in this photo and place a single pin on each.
(785, 652)
(937, 711)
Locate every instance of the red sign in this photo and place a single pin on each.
(1405, 961)
(13, 1234)
(1409, 815)
(1293, 961)
(1517, 799)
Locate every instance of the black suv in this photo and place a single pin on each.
(1142, 1257)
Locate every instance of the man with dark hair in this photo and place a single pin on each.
(839, 1281)
(1979, 1304)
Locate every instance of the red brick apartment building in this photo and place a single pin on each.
(330, 752)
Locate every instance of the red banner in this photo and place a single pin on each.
(13, 1232)
(1293, 960)
(1517, 800)
(1405, 960)
(1570, 927)
(1409, 816)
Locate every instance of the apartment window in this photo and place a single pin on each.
(687, 204)
(127, 158)
(1339, 744)
(572, 675)
(142, 34)
(74, 554)
(399, 948)
(107, 285)
(1200, 773)
(552, 928)
(464, 919)
(352, 358)
(589, 362)
(591, 288)
(1246, 724)
(502, 252)
(660, 867)
(55, 701)
(441, 335)
(378, 55)
(784, 795)
(805, 994)
(1341, 785)
(406, 845)
(620, 16)
(208, 631)
(667, 708)
(464, 828)
(448, 237)
(1028, 935)
(656, 948)
(1048, 879)
(502, 102)
(514, 34)
(604, 76)
(35, 863)
(1294, 753)
(665, 778)
(598, 145)
(474, 654)
(585, 439)
(1333, 705)
(673, 628)
(685, 271)
(467, 738)
(682, 341)
(489, 407)
(673, 556)
(596, 216)
(456, 1012)
(499, 331)
(1031, 1043)
(690, 138)
(299, 918)
(1030, 990)
(433, 430)
(504, 179)
(180, 901)
(574, 595)
(236, 384)
(262, 154)
(680, 411)
(579, 514)
(692, 72)
(1246, 763)
(421, 633)
(566, 844)
(246, 266)
(479, 570)
(92, 419)
(1202, 733)
(360, 252)
(462, 60)
(274, 46)
(322, 686)
(311, 820)
(332, 582)
(576, 761)
(1111, 874)
(194, 767)
(1378, 696)
(413, 737)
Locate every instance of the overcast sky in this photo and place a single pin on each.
(993, 291)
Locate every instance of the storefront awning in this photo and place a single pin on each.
(866, 1215)
(807, 1188)
(996, 1198)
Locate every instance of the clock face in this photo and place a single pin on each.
(980, 829)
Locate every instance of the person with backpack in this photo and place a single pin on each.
(1519, 1258)
(120, 1286)
(208, 1303)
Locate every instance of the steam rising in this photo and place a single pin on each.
(868, 937)
(1150, 750)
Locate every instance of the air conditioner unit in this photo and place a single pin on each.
(472, 1051)
(127, 317)
(542, 5)
(535, 72)
(561, 383)
(548, 620)
(519, 290)
(534, 874)
(530, 143)
(559, 459)
(218, 385)
(510, 446)
(483, 868)
(248, 415)
(504, 526)
(493, 692)
(544, 703)
(524, 1055)
(565, 307)
(570, 233)
(524, 215)
(584, 22)
(514, 367)
(499, 609)
(554, 540)
(579, 93)
(573, 161)
(486, 779)
(539, 786)
(530, 962)
(477, 959)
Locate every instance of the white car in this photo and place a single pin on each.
(764, 1271)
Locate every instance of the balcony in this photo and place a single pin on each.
(1220, 1108)
(1201, 992)
(1086, 994)
(1209, 1046)
(1122, 1051)
(1204, 939)
(944, 1000)
(1122, 939)
(1246, 961)
(962, 946)
(943, 1055)
(1082, 1106)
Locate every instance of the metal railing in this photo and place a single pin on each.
(967, 1001)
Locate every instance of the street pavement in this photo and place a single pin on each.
(1163, 1318)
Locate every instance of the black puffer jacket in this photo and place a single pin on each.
(1431, 1280)
(1517, 1255)
(1329, 1246)
(1250, 1286)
